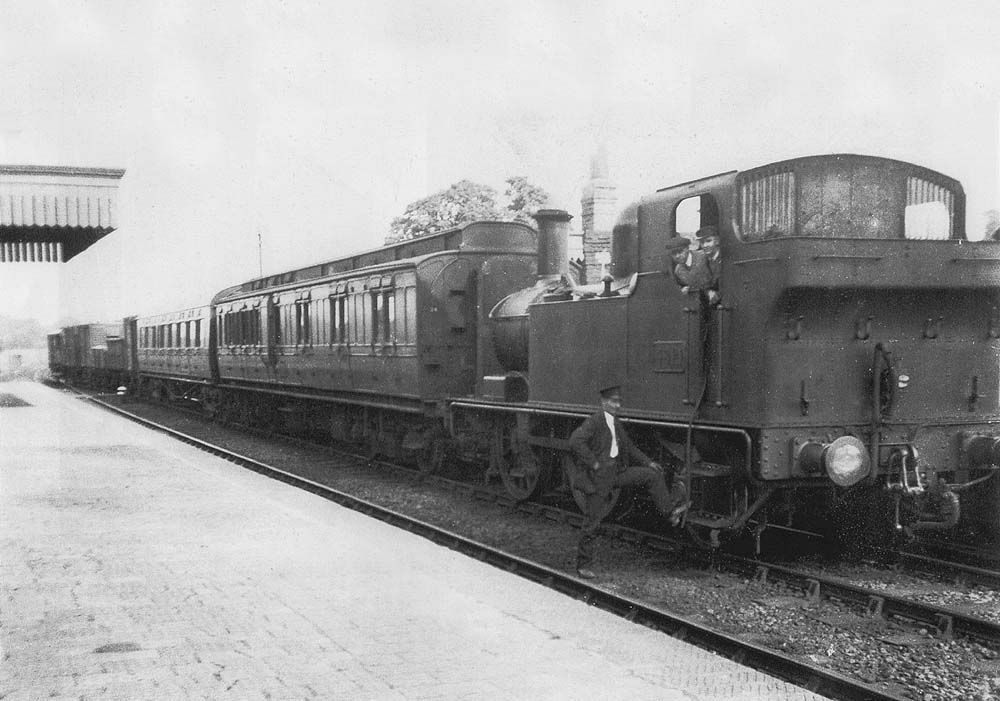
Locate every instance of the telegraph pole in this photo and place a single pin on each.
(260, 253)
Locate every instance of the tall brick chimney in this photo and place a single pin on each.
(599, 209)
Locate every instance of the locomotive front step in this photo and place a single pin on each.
(711, 469)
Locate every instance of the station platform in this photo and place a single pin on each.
(136, 567)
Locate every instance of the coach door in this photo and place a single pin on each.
(272, 334)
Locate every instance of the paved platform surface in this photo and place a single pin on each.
(134, 567)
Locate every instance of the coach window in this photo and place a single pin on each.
(410, 311)
(359, 318)
(238, 328)
(321, 323)
(377, 309)
(334, 302)
(241, 332)
(336, 314)
(274, 317)
(197, 333)
(390, 316)
(383, 315)
(341, 324)
(302, 325)
(284, 330)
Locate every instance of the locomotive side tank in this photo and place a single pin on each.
(853, 357)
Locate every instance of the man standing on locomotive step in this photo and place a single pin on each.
(605, 459)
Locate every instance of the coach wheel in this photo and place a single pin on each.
(432, 454)
(211, 402)
(158, 392)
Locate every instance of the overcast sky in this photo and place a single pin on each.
(313, 124)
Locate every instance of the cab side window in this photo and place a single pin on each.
(695, 213)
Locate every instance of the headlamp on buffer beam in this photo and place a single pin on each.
(845, 460)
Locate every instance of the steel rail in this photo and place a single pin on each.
(816, 679)
(946, 622)
(968, 573)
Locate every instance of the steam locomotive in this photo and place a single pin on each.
(851, 367)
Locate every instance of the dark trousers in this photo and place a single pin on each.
(608, 478)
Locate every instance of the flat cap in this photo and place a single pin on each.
(677, 243)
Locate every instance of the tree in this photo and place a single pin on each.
(460, 204)
(466, 202)
(524, 199)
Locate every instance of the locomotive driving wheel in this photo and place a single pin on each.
(433, 452)
(517, 464)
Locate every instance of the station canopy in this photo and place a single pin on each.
(52, 213)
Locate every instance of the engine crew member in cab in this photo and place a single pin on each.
(708, 245)
(607, 458)
(697, 270)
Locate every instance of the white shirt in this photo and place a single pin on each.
(614, 439)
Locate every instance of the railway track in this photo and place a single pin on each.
(818, 679)
(945, 560)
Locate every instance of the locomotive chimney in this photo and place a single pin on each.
(553, 241)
